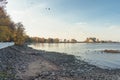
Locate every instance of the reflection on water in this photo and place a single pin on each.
(88, 52)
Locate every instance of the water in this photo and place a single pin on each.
(89, 52)
(5, 44)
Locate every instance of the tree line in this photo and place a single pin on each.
(49, 40)
(9, 30)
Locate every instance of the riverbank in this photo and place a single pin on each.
(24, 63)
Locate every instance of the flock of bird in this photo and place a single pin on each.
(44, 11)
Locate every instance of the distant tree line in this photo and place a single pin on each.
(49, 40)
(10, 31)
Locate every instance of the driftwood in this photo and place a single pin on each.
(112, 51)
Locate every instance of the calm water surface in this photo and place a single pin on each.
(89, 52)
(6, 44)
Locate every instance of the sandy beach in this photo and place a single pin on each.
(25, 63)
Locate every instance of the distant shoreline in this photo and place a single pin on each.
(77, 42)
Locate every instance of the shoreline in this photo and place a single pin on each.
(26, 63)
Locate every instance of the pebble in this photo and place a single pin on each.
(15, 59)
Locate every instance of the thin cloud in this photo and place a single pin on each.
(81, 23)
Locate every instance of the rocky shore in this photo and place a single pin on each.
(24, 63)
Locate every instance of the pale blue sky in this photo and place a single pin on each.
(68, 18)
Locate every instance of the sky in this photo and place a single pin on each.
(68, 19)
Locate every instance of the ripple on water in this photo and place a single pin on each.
(88, 52)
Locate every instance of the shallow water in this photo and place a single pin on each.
(89, 52)
(6, 44)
